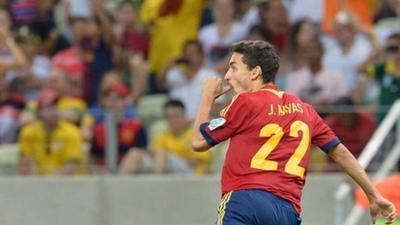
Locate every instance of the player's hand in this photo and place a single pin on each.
(383, 207)
(213, 87)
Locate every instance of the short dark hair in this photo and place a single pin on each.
(174, 103)
(259, 53)
(194, 42)
(394, 36)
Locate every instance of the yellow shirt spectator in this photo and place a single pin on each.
(67, 103)
(180, 146)
(50, 153)
(170, 31)
(72, 109)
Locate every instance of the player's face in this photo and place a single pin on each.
(238, 75)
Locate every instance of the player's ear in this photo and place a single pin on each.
(256, 72)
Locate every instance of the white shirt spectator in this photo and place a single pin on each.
(347, 65)
(188, 91)
(325, 87)
(9, 125)
(306, 9)
(250, 18)
(216, 47)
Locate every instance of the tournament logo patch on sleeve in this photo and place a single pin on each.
(215, 123)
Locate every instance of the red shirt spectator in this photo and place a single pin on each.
(69, 61)
(135, 42)
(353, 129)
(131, 132)
(23, 11)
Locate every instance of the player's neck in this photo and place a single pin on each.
(259, 85)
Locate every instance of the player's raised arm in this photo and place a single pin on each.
(379, 205)
(212, 89)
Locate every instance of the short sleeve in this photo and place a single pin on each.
(322, 135)
(232, 121)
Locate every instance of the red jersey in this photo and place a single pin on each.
(270, 137)
(131, 133)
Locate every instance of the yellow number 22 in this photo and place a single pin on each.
(275, 134)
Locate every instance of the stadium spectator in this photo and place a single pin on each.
(131, 35)
(45, 27)
(11, 105)
(88, 40)
(132, 135)
(301, 34)
(257, 32)
(217, 37)
(361, 10)
(92, 51)
(345, 124)
(173, 153)
(171, 24)
(185, 75)
(133, 72)
(386, 9)
(12, 56)
(172, 150)
(346, 50)
(23, 12)
(38, 60)
(50, 146)
(313, 83)
(97, 113)
(311, 10)
(274, 19)
(71, 105)
(23, 62)
(70, 61)
(246, 12)
(383, 65)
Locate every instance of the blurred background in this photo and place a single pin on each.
(97, 100)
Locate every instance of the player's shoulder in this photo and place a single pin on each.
(238, 101)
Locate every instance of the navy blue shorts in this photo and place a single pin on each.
(255, 207)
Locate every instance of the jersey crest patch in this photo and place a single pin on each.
(215, 123)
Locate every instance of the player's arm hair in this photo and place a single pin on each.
(199, 144)
(350, 165)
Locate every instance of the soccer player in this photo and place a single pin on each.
(270, 134)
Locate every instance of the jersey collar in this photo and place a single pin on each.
(270, 86)
(273, 89)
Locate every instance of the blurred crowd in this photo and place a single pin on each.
(65, 64)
